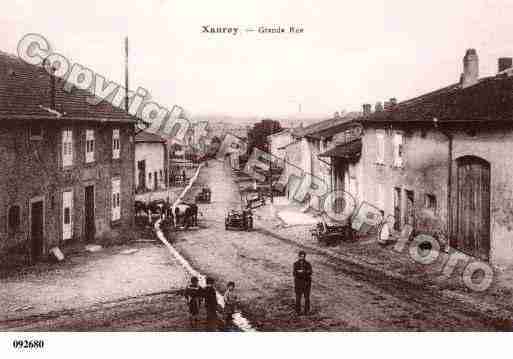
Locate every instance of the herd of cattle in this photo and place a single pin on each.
(185, 215)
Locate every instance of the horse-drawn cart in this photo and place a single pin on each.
(332, 234)
(204, 196)
(239, 220)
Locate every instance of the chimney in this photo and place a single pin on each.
(389, 105)
(505, 63)
(470, 68)
(378, 107)
(367, 109)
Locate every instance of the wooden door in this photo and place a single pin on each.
(473, 207)
(89, 225)
(36, 230)
(397, 209)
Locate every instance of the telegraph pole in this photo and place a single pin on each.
(270, 171)
(126, 74)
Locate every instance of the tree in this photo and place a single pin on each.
(257, 136)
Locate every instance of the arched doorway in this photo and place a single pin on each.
(472, 225)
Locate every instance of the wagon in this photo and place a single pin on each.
(239, 220)
(254, 199)
(331, 234)
(204, 196)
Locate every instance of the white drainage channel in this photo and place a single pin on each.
(241, 322)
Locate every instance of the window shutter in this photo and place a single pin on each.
(116, 205)
(67, 148)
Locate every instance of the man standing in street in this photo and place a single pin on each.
(302, 282)
(210, 296)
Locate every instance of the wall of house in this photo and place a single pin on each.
(32, 168)
(293, 167)
(278, 141)
(424, 172)
(155, 157)
(496, 147)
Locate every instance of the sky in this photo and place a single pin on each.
(350, 52)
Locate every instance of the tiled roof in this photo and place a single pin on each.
(489, 99)
(326, 128)
(144, 136)
(25, 93)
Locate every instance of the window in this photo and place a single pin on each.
(67, 148)
(398, 150)
(430, 202)
(89, 146)
(36, 131)
(161, 178)
(116, 205)
(149, 177)
(14, 218)
(380, 147)
(115, 143)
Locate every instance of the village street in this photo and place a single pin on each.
(345, 296)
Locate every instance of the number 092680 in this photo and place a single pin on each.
(28, 344)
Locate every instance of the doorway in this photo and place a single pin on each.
(141, 167)
(473, 207)
(89, 226)
(397, 208)
(36, 229)
(410, 209)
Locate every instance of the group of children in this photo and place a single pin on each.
(195, 295)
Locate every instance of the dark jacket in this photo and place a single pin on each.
(193, 294)
(302, 273)
(209, 294)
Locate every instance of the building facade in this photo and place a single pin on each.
(67, 166)
(441, 162)
(151, 162)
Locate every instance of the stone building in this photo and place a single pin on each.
(151, 162)
(67, 169)
(441, 162)
(278, 142)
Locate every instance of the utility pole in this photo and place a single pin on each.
(270, 171)
(126, 74)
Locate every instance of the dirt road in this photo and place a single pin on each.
(344, 296)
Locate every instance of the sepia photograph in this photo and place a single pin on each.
(178, 168)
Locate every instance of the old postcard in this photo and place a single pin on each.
(254, 166)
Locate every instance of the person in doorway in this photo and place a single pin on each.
(302, 272)
(230, 304)
(193, 296)
(210, 297)
(177, 216)
(384, 231)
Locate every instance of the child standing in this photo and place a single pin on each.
(230, 303)
(193, 295)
